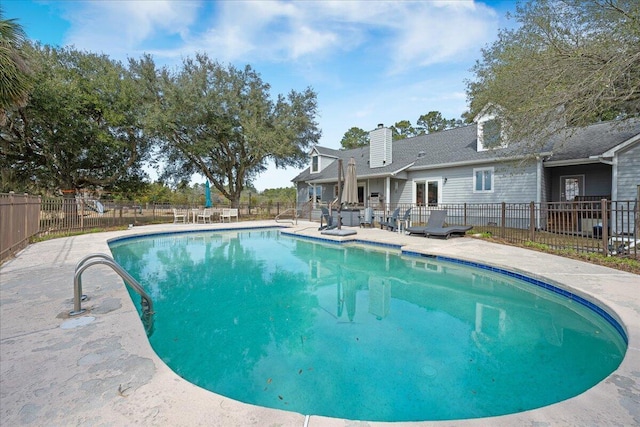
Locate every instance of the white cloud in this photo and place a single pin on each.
(369, 61)
(411, 34)
(438, 32)
(120, 27)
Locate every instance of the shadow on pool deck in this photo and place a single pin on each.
(100, 369)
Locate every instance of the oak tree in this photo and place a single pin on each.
(221, 122)
(569, 63)
(81, 127)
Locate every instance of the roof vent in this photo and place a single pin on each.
(380, 125)
(421, 154)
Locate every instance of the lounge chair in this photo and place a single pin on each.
(178, 216)
(366, 218)
(326, 217)
(435, 227)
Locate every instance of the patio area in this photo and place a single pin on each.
(99, 369)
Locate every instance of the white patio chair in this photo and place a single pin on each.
(204, 216)
(178, 216)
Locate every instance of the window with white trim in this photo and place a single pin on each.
(315, 163)
(317, 192)
(483, 180)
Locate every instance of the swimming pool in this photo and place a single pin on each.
(361, 332)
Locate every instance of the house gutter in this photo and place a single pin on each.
(471, 162)
(605, 161)
(571, 162)
(393, 174)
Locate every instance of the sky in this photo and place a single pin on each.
(369, 62)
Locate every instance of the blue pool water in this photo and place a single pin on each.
(361, 332)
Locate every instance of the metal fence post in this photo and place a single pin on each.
(11, 217)
(605, 227)
(532, 219)
(82, 214)
(465, 213)
(503, 218)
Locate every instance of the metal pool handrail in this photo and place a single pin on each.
(98, 258)
(294, 220)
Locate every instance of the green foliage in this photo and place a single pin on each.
(402, 129)
(354, 138)
(536, 245)
(81, 127)
(569, 63)
(431, 122)
(14, 67)
(221, 122)
(434, 122)
(287, 195)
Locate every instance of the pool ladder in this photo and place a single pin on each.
(98, 258)
(293, 220)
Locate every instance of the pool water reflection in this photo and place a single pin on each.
(361, 332)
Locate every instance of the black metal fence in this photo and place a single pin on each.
(19, 221)
(600, 226)
(23, 217)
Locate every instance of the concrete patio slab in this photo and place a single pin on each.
(99, 368)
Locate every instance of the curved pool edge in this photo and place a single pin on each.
(93, 364)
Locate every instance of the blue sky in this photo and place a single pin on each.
(369, 62)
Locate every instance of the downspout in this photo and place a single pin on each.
(614, 187)
(387, 191)
(614, 178)
(539, 172)
(314, 198)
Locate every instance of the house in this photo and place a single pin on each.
(477, 164)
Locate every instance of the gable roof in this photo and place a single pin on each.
(592, 141)
(457, 146)
(327, 152)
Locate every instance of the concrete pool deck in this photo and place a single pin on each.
(99, 369)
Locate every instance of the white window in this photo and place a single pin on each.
(427, 193)
(483, 180)
(317, 192)
(315, 164)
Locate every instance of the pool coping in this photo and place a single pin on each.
(102, 370)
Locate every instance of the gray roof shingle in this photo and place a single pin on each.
(458, 146)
